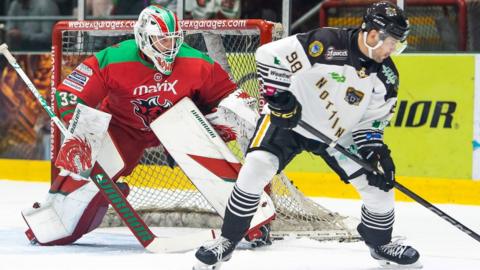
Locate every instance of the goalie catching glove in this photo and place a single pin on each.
(379, 155)
(285, 110)
(235, 118)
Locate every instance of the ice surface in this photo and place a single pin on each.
(441, 245)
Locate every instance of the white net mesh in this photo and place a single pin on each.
(162, 194)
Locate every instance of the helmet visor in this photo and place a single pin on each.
(395, 45)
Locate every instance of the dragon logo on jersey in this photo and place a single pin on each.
(315, 48)
(149, 109)
(353, 96)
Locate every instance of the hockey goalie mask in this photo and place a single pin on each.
(159, 37)
(391, 23)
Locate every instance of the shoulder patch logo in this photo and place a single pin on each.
(276, 61)
(353, 96)
(389, 74)
(335, 54)
(362, 73)
(78, 78)
(315, 48)
(85, 69)
(72, 85)
(338, 77)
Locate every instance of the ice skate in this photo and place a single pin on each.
(394, 255)
(212, 255)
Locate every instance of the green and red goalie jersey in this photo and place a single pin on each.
(119, 80)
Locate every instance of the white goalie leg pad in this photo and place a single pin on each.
(203, 156)
(58, 216)
(238, 112)
(109, 158)
(80, 148)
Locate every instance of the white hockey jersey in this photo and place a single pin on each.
(342, 92)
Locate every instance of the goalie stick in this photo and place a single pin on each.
(399, 186)
(112, 193)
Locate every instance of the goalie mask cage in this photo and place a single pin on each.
(162, 195)
(435, 24)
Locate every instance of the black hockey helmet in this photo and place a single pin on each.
(387, 18)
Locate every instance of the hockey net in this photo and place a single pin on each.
(435, 24)
(162, 195)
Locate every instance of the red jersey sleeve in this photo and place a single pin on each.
(85, 84)
(216, 86)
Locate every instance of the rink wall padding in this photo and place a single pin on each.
(314, 184)
(435, 190)
(25, 170)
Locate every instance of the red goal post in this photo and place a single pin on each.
(434, 23)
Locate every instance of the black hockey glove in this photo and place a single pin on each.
(285, 110)
(379, 155)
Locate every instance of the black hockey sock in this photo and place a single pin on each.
(376, 229)
(240, 210)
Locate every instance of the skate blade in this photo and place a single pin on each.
(201, 266)
(391, 265)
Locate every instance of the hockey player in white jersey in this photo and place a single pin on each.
(344, 83)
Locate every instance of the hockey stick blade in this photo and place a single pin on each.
(109, 189)
(182, 243)
(398, 186)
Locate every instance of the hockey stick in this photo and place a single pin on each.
(112, 193)
(399, 186)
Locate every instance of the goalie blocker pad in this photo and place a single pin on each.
(81, 147)
(204, 157)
